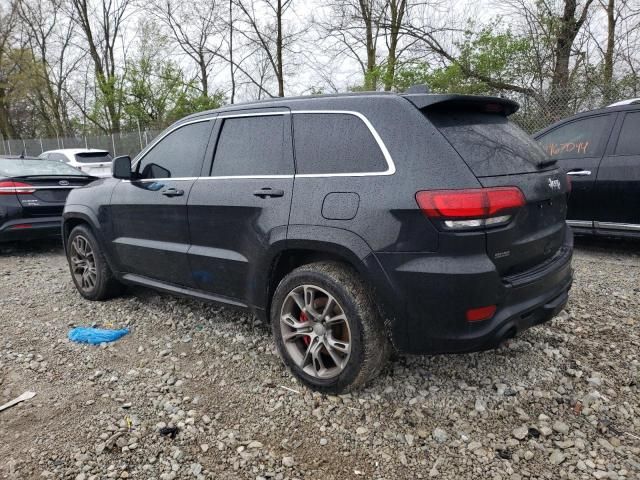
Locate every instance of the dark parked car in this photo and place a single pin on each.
(600, 150)
(351, 223)
(32, 196)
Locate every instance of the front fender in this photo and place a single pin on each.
(78, 212)
(75, 212)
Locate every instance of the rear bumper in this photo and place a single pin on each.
(30, 228)
(434, 294)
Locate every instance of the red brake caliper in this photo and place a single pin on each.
(306, 339)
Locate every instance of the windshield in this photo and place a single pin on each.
(93, 157)
(24, 167)
(489, 143)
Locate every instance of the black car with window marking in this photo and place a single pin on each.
(32, 196)
(350, 222)
(600, 151)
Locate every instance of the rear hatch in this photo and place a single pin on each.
(500, 154)
(41, 186)
(96, 163)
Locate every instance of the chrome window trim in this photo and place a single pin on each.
(239, 177)
(580, 223)
(253, 114)
(169, 132)
(391, 167)
(618, 226)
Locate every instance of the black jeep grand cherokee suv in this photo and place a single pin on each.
(351, 222)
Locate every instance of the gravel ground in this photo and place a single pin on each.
(560, 401)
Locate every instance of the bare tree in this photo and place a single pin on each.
(353, 27)
(622, 20)
(270, 36)
(49, 35)
(196, 27)
(8, 20)
(102, 26)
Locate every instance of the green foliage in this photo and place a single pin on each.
(370, 81)
(156, 90)
(500, 56)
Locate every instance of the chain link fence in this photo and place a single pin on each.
(541, 110)
(121, 143)
(536, 112)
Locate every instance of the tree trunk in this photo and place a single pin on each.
(397, 15)
(369, 75)
(204, 78)
(233, 76)
(567, 32)
(607, 73)
(280, 71)
(6, 128)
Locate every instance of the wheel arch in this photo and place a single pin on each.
(306, 245)
(83, 215)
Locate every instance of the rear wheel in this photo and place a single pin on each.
(89, 269)
(327, 329)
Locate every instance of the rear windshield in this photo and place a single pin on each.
(19, 167)
(93, 157)
(490, 144)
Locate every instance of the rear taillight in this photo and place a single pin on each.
(15, 188)
(472, 208)
(481, 313)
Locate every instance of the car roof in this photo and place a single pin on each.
(420, 100)
(18, 157)
(73, 151)
(621, 106)
(630, 101)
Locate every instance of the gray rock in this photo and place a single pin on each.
(439, 435)
(556, 457)
(561, 427)
(520, 433)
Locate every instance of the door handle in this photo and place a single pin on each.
(579, 173)
(172, 192)
(269, 192)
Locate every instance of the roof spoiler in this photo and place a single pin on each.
(466, 102)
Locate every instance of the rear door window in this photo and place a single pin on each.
(629, 139)
(490, 144)
(251, 146)
(327, 143)
(581, 138)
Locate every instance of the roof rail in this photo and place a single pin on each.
(631, 101)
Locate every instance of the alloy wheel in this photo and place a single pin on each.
(315, 331)
(83, 264)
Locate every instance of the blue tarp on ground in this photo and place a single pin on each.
(95, 336)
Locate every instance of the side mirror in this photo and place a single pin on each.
(121, 167)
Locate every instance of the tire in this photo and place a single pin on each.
(324, 351)
(90, 272)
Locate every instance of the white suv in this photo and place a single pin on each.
(92, 161)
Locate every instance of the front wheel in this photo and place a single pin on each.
(89, 269)
(327, 329)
